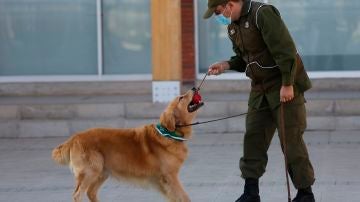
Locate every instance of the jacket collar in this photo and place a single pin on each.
(246, 7)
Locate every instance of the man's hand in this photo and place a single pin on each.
(286, 93)
(218, 68)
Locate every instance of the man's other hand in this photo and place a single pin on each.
(286, 93)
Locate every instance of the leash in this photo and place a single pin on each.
(283, 137)
(219, 119)
(213, 120)
(202, 81)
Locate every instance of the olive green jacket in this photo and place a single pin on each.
(266, 52)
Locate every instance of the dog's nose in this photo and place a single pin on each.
(194, 89)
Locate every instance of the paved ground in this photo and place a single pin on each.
(210, 174)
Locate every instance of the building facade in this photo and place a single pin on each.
(71, 40)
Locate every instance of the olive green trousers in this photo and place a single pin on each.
(260, 129)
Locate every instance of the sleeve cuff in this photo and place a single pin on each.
(287, 79)
(236, 64)
(232, 65)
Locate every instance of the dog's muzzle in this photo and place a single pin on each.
(196, 101)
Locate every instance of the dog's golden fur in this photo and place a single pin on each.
(138, 155)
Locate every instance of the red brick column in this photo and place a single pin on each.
(188, 41)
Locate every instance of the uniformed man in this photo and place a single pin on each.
(265, 51)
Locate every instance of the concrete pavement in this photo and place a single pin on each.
(210, 174)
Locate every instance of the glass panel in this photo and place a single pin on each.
(127, 36)
(42, 37)
(326, 32)
(214, 44)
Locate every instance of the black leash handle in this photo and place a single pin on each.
(284, 146)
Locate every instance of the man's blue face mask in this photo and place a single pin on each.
(221, 19)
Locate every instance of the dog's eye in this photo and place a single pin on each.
(181, 97)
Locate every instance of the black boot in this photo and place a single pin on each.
(251, 191)
(304, 195)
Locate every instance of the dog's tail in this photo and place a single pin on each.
(61, 154)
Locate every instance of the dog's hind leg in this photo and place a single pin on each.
(94, 187)
(87, 179)
(171, 187)
(88, 167)
(80, 187)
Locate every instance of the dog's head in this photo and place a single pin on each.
(181, 110)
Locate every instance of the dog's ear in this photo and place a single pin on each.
(167, 120)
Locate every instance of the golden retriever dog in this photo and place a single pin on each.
(141, 155)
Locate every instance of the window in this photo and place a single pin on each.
(326, 33)
(127, 36)
(214, 44)
(48, 37)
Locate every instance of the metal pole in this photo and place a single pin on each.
(99, 37)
